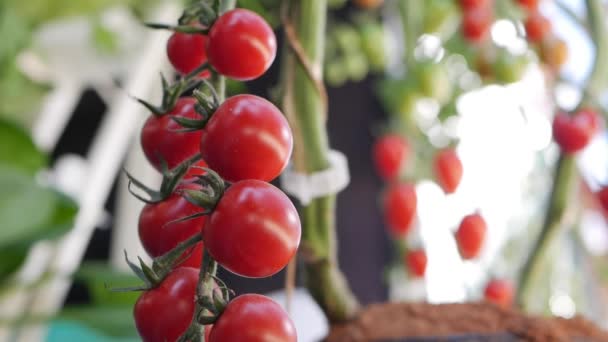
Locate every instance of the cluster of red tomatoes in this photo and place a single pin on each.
(553, 51)
(477, 18)
(247, 226)
(390, 154)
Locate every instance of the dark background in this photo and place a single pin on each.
(364, 249)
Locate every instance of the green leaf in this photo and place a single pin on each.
(109, 320)
(18, 150)
(100, 278)
(28, 211)
(11, 259)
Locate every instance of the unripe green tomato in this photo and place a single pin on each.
(509, 68)
(357, 66)
(348, 38)
(407, 101)
(440, 16)
(434, 81)
(336, 73)
(372, 39)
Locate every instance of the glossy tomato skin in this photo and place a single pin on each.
(400, 203)
(165, 312)
(499, 292)
(537, 27)
(159, 136)
(476, 24)
(254, 230)
(573, 133)
(253, 318)
(471, 235)
(158, 235)
(390, 152)
(448, 170)
(187, 52)
(416, 261)
(241, 45)
(247, 138)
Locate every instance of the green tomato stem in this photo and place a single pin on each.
(305, 107)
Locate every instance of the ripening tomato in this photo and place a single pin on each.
(159, 234)
(470, 236)
(160, 136)
(247, 138)
(416, 262)
(390, 153)
(602, 195)
(368, 4)
(448, 170)
(187, 52)
(253, 318)
(476, 24)
(499, 292)
(241, 45)
(254, 230)
(400, 208)
(165, 312)
(530, 5)
(537, 27)
(473, 4)
(574, 132)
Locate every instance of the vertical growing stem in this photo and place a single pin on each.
(306, 108)
(564, 182)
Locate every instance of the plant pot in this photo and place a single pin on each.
(420, 322)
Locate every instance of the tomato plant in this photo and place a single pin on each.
(537, 27)
(368, 4)
(241, 45)
(247, 138)
(574, 132)
(471, 235)
(530, 5)
(448, 170)
(161, 138)
(159, 233)
(253, 318)
(473, 4)
(187, 52)
(254, 230)
(602, 196)
(416, 261)
(400, 203)
(163, 313)
(390, 153)
(500, 292)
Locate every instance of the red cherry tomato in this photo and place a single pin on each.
(500, 292)
(390, 153)
(247, 138)
(158, 235)
(448, 170)
(400, 208)
(537, 27)
(253, 318)
(241, 45)
(254, 230)
(602, 196)
(470, 236)
(530, 5)
(573, 133)
(416, 262)
(476, 24)
(160, 137)
(473, 4)
(165, 312)
(187, 52)
(368, 4)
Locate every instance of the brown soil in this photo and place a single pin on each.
(396, 321)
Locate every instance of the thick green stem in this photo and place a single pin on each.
(564, 182)
(306, 110)
(411, 21)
